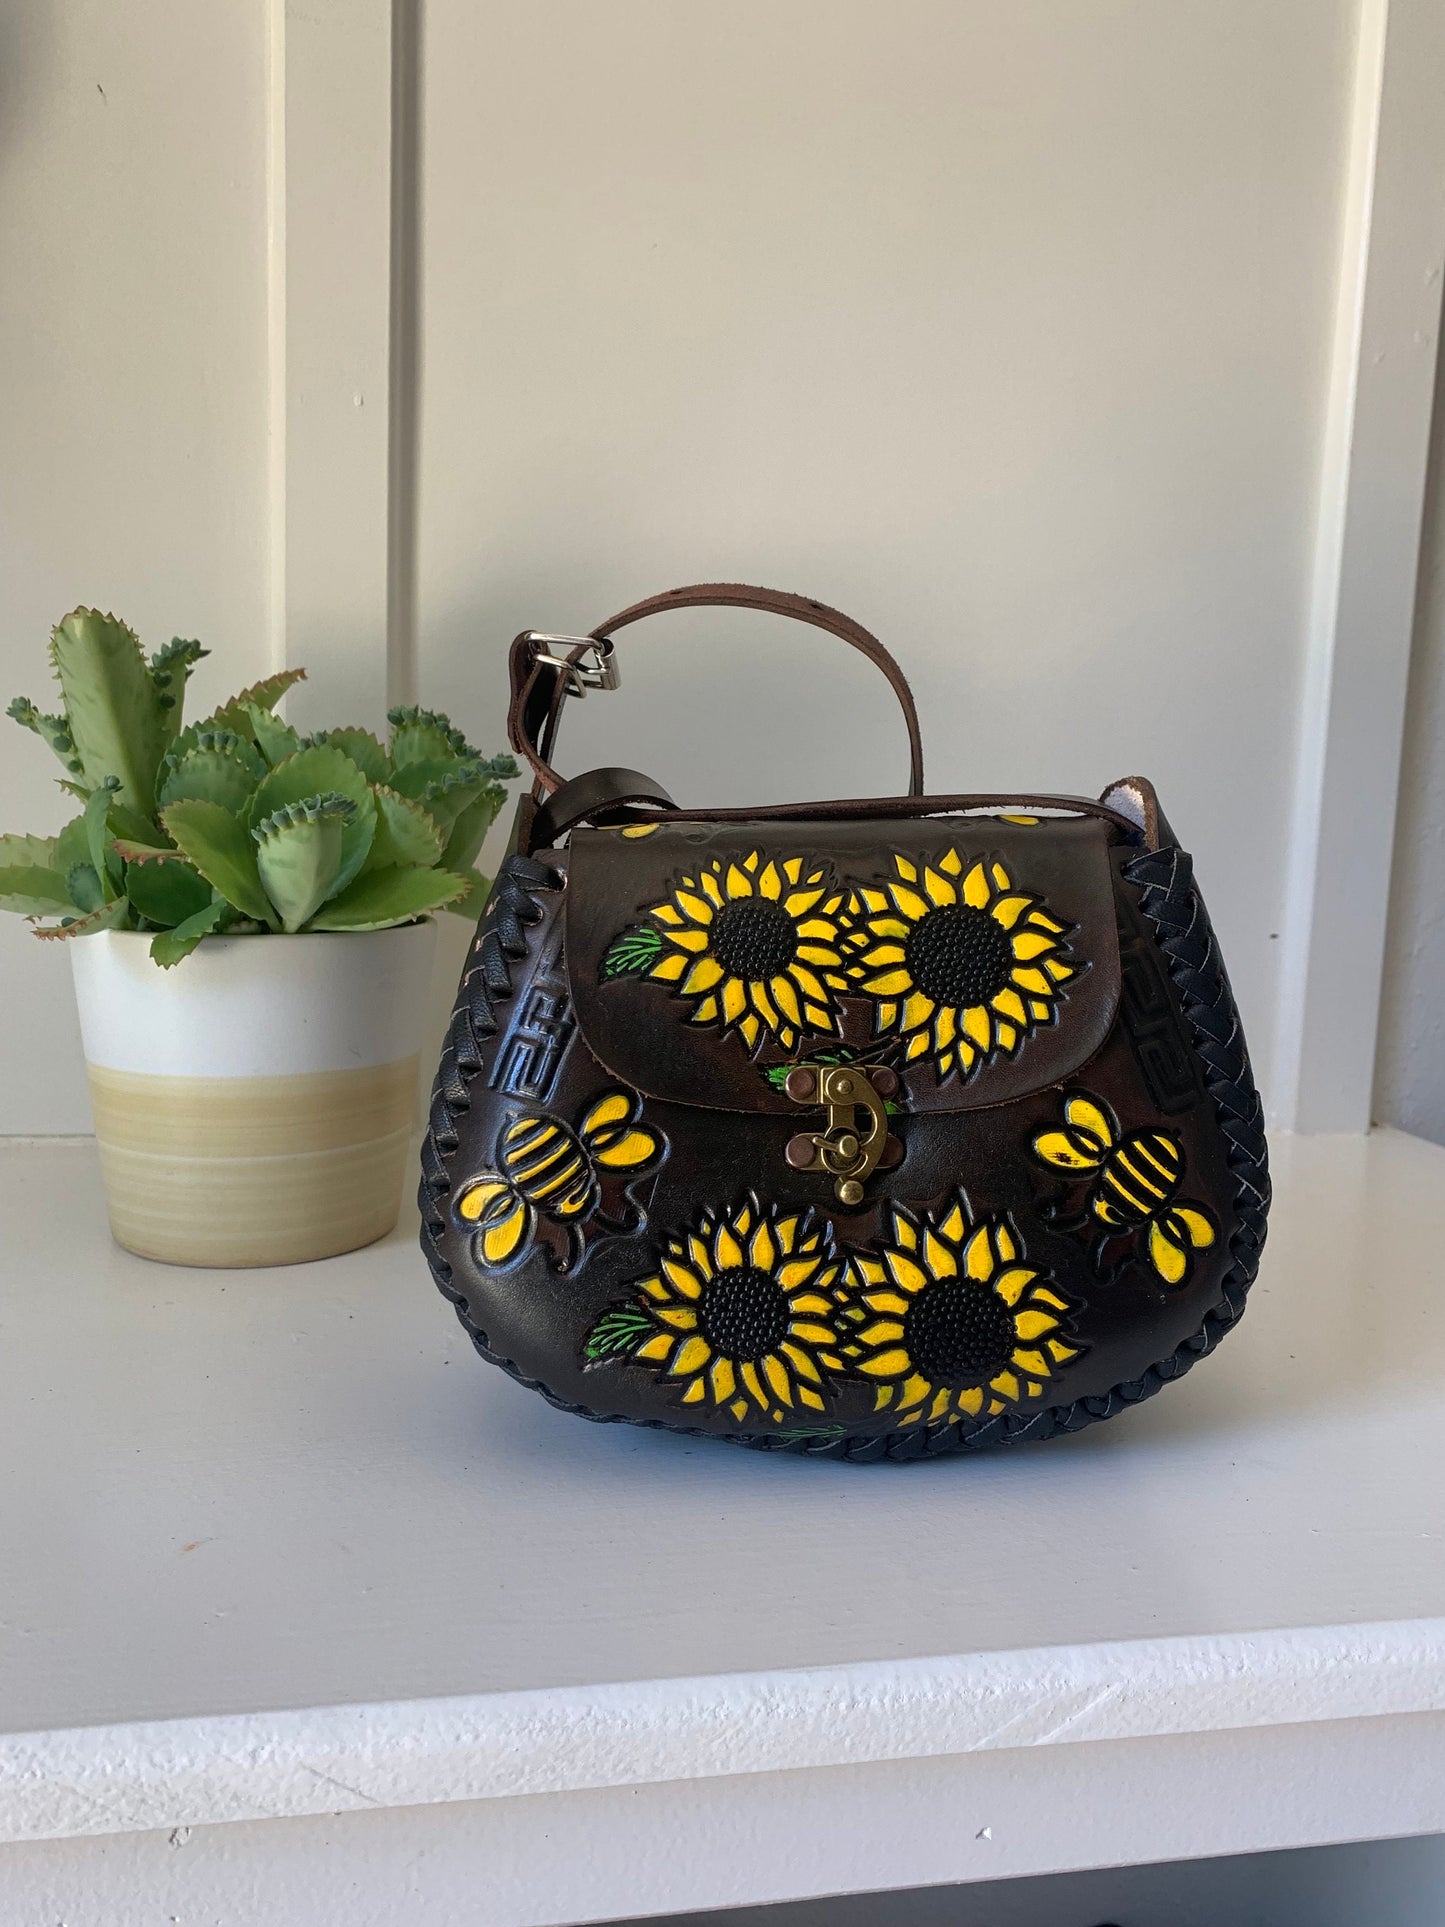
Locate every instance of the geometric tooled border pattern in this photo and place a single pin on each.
(1175, 912)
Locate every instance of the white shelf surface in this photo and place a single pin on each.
(277, 1544)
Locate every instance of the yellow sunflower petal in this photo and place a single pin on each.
(770, 884)
(938, 1257)
(1028, 978)
(914, 1390)
(1031, 1361)
(738, 884)
(696, 1391)
(917, 1009)
(680, 1318)
(976, 892)
(722, 1379)
(750, 1030)
(1028, 944)
(799, 902)
(978, 1258)
(978, 1025)
(681, 1279)
(668, 969)
(970, 1400)
(696, 907)
(893, 983)
(811, 1334)
(1000, 877)
(810, 1398)
(786, 998)
(776, 1373)
(891, 1364)
(692, 940)
(939, 889)
(887, 1331)
(657, 1347)
(711, 888)
(1006, 1384)
(800, 1361)
(706, 972)
(913, 906)
(1011, 1286)
(753, 1384)
(797, 1272)
(727, 1252)
(1007, 910)
(906, 1274)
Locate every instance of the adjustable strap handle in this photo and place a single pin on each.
(545, 670)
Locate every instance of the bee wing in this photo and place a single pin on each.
(500, 1214)
(1192, 1226)
(612, 1139)
(1073, 1150)
(613, 1107)
(1089, 1118)
(1167, 1252)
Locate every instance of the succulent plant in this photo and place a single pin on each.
(237, 823)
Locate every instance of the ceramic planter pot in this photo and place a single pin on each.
(254, 1105)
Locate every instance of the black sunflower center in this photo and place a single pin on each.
(744, 1314)
(958, 1332)
(958, 955)
(754, 938)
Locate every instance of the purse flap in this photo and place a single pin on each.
(977, 956)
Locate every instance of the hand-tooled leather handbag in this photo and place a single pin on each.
(862, 1129)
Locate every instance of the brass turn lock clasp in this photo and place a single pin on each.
(856, 1139)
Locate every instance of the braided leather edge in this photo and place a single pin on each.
(1171, 906)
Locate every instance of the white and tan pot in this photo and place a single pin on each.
(255, 1104)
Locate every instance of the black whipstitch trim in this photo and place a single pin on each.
(1173, 908)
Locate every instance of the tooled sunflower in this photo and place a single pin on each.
(740, 1314)
(962, 964)
(951, 1321)
(755, 942)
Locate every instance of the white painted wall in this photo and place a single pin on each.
(1027, 334)
(1005, 329)
(132, 397)
(1410, 1071)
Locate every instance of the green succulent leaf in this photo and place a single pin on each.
(168, 947)
(261, 695)
(426, 736)
(105, 918)
(405, 832)
(470, 826)
(361, 746)
(382, 898)
(54, 730)
(134, 827)
(165, 889)
(212, 776)
(633, 951)
(221, 848)
(322, 771)
(170, 669)
(98, 841)
(444, 788)
(83, 889)
(72, 846)
(38, 852)
(214, 736)
(111, 704)
(275, 739)
(473, 900)
(34, 889)
(298, 854)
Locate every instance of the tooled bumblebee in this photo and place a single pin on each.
(551, 1175)
(1137, 1177)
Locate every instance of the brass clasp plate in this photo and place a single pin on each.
(855, 1141)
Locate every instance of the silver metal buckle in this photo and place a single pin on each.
(596, 669)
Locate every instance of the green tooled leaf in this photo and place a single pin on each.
(111, 704)
(33, 889)
(165, 889)
(321, 771)
(405, 832)
(168, 947)
(211, 776)
(633, 951)
(616, 1333)
(221, 848)
(381, 898)
(275, 739)
(298, 853)
(361, 746)
(264, 695)
(426, 736)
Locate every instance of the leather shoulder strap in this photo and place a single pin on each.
(540, 687)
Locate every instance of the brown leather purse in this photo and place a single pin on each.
(862, 1129)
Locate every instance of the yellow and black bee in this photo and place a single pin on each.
(1136, 1183)
(548, 1171)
